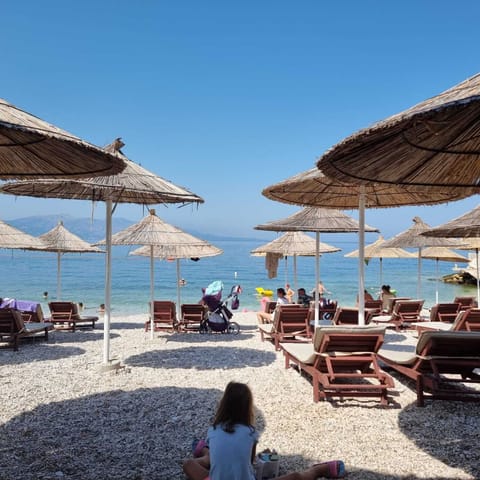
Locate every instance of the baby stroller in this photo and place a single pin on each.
(219, 315)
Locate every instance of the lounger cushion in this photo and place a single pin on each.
(303, 352)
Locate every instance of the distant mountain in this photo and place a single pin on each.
(93, 230)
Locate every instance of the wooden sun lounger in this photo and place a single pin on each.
(439, 363)
(192, 316)
(404, 313)
(342, 362)
(468, 320)
(290, 324)
(164, 316)
(13, 328)
(65, 316)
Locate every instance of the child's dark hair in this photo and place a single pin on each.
(236, 407)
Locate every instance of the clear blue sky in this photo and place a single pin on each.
(226, 98)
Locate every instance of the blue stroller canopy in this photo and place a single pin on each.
(214, 288)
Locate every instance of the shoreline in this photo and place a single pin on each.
(63, 418)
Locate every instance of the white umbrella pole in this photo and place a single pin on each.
(437, 273)
(178, 288)
(295, 284)
(152, 294)
(286, 269)
(59, 276)
(478, 279)
(361, 257)
(108, 282)
(419, 279)
(381, 274)
(317, 277)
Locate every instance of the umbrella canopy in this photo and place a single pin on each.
(412, 237)
(162, 240)
(31, 147)
(11, 237)
(435, 142)
(467, 227)
(61, 240)
(314, 219)
(136, 185)
(376, 250)
(443, 254)
(314, 188)
(293, 244)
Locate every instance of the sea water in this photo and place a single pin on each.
(26, 275)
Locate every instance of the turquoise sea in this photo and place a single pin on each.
(26, 275)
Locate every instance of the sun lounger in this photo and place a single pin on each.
(465, 302)
(342, 362)
(13, 328)
(164, 316)
(65, 316)
(444, 312)
(439, 363)
(468, 320)
(404, 313)
(290, 323)
(192, 316)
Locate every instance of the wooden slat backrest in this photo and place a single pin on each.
(61, 310)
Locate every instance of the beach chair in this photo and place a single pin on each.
(465, 302)
(465, 320)
(438, 363)
(270, 307)
(290, 324)
(192, 315)
(341, 362)
(164, 316)
(13, 328)
(444, 312)
(404, 313)
(65, 316)
(392, 301)
(349, 316)
(375, 306)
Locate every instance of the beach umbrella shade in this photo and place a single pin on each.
(316, 219)
(413, 238)
(162, 241)
(314, 188)
(466, 227)
(60, 240)
(376, 250)
(436, 142)
(134, 184)
(443, 254)
(11, 237)
(31, 148)
(293, 244)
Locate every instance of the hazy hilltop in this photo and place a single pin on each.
(91, 229)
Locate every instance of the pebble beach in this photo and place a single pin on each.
(63, 417)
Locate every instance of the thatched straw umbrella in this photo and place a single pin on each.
(315, 189)
(413, 238)
(466, 227)
(376, 250)
(445, 255)
(11, 237)
(134, 185)
(32, 148)
(162, 241)
(435, 142)
(293, 244)
(61, 240)
(312, 219)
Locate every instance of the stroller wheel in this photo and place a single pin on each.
(233, 328)
(203, 328)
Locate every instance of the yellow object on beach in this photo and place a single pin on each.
(261, 291)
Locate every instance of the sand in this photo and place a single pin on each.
(62, 417)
